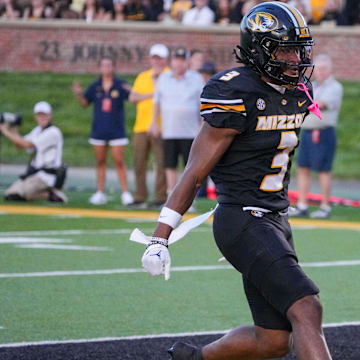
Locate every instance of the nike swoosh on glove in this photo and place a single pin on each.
(156, 260)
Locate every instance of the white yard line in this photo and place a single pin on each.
(83, 232)
(150, 336)
(63, 247)
(173, 269)
(25, 240)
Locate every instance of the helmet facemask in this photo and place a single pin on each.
(280, 71)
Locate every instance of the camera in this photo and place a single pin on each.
(10, 118)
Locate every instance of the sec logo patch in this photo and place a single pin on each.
(260, 104)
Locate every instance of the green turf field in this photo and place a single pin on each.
(75, 277)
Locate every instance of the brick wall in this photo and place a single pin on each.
(74, 46)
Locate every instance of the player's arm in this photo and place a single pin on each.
(135, 97)
(13, 135)
(78, 92)
(154, 129)
(207, 149)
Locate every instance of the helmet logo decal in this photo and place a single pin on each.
(260, 104)
(262, 22)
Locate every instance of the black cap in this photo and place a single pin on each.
(181, 52)
(208, 67)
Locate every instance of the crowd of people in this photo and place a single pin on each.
(187, 12)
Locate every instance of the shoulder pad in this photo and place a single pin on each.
(223, 93)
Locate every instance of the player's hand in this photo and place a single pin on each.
(315, 136)
(154, 130)
(156, 260)
(76, 88)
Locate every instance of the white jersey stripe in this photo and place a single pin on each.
(221, 111)
(216, 101)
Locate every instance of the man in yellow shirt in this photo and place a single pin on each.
(141, 95)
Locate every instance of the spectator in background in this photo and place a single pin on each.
(45, 142)
(37, 10)
(93, 10)
(108, 94)
(196, 59)
(318, 140)
(350, 13)
(62, 10)
(247, 5)
(178, 8)
(118, 14)
(77, 6)
(200, 15)
(223, 12)
(155, 9)
(177, 99)
(9, 10)
(107, 5)
(304, 6)
(135, 10)
(142, 94)
(207, 70)
(317, 10)
(236, 13)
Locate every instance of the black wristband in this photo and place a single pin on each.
(157, 240)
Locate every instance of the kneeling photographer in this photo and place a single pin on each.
(45, 174)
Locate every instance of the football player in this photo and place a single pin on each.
(252, 117)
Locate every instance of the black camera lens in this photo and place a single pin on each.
(10, 118)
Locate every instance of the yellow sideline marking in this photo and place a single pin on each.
(127, 214)
(97, 213)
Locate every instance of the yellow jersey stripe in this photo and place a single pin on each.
(224, 107)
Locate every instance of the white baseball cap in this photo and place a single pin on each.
(159, 50)
(42, 107)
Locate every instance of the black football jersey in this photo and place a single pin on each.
(254, 171)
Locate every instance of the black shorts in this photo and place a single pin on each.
(261, 248)
(175, 147)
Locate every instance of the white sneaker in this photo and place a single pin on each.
(321, 213)
(126, 198)
(99, 198)
(296, 211)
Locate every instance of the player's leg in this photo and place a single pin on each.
(304, 162)
(100, 156)
(141, 146)
(303, 178)
(160, 177)
(248, 343)
(15, 192)
(326, 154)
(261, 249)
(34, 188)
(185, 147)
(325, 184)
(118, 157)
(170, 161)
(305, 316)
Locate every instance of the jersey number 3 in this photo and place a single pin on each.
(274, 182)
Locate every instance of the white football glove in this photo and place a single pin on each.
(156, 259)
